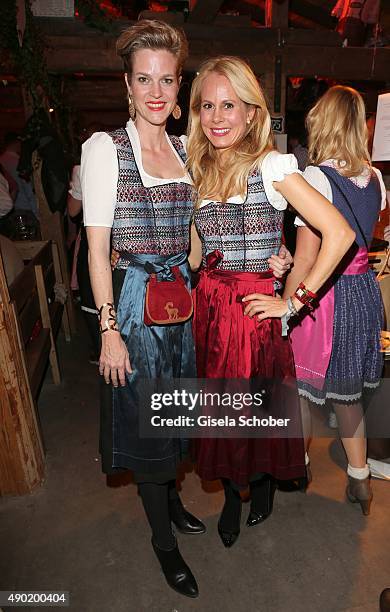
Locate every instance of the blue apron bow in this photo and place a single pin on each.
(156, 264)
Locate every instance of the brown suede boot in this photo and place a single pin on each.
(384, 601)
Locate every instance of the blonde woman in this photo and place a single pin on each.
(337, 352)
(243, 186)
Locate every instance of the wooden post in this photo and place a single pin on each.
(276, 13)
(275, 88)
(52, 228)
(276, 16)
(21, 449)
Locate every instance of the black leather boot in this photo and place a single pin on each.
(262, 500)
(184, 521)
(177, 573)
(228, 537)
(230, 519)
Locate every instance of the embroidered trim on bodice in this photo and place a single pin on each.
(246, 234)
(149, 219)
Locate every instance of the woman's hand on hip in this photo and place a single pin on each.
(114, 359)
(264, 306)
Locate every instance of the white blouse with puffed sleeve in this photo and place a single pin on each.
(274, 167)
(99, 177)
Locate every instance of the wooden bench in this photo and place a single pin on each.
(38, 313)
(30, 317)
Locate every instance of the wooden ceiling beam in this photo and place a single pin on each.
(350, 63)
(333, 62)
(301, 13)
(276, 13)
(316, 14)
(205, 11)
(304, 52)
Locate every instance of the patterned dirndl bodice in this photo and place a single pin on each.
(149, 219)
(246, 234)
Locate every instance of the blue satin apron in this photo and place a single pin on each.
(147, 220)
(155, 352)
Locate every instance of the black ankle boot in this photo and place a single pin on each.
(184, 521)
(228, 537)
(262, 500)
(177, 573)
(230, 519)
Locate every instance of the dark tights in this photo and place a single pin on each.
(156, 499)
(260, 501)
(231, 512)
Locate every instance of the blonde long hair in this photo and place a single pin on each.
(210, 178)
(337, 130)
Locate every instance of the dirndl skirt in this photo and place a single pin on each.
(231, 345)
(356, 360)
(155, 352)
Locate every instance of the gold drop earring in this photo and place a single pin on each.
(176, 113)
(131, 108)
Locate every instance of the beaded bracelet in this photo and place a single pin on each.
(305, 296)
(111, 322)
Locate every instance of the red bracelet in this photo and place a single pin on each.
(305, 296)
(305, 301)
(311, 294)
